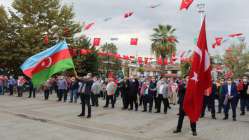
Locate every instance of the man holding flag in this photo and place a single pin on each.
(43, 65)
(198, 82)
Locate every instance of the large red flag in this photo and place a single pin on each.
(185, 4)
(199, 78)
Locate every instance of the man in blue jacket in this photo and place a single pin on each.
(230, 93)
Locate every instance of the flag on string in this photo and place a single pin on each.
(235, 35)
(185, 4)
(96, 41)
(45, 40)
(134, 41)
(199, 78)
(43, 65)
(154, 6)
(128, 14)
(88, 26)
(218, 41)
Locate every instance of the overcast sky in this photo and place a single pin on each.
(223, 17)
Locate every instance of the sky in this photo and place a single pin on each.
(223, 17)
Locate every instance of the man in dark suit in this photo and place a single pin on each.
(133, 86)
(244, 97)
(209, 101)
(181, 94)
(230, 92)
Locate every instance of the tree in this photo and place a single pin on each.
(86, 63)
(185, 67)
(237, 59)
(163, 42)
(109, 63)
(30, 21)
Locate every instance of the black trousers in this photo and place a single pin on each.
(165, 101)
(46, 94)
(220, 105)
(181, 118)
(210, 103)
(11, 87)
(244, 104)
(19, 91)
(108, 98)
(231, 103)
(156, 101)
(62, 93)
(32, 91)
(133, 101)
(85, 101)
(141, 100)
(125, 100)
(94, 99)
(148, 99)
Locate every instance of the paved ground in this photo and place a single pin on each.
(36, 119)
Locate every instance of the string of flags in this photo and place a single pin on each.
(220, 40)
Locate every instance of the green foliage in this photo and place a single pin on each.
(237, 59)
(29, 22)
(185, 67)
(89, 62)
(161, 46)
(109, 63)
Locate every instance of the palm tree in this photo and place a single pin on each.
(109, 62)
(163, 42)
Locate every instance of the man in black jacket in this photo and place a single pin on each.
(85, 94)
(244, 97)
(209, 101)
(181, 94)
(133, 86)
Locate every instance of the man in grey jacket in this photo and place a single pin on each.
(162, 96)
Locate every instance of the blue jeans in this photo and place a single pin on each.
(73, 95)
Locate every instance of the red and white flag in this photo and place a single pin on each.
(88, 26)
(128, 14)
(199, 78)
(134, 41)
(185, 4)
(96, 41)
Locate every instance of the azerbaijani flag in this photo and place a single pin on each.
(43, 65)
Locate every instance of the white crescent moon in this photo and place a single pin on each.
(50, 62)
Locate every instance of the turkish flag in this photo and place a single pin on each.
(185, 4)
(218, 41)
(88, 26)
(96, 41)
(45, 40)
(235, 35)
(134, 41)
(199, 78)
(128, 14)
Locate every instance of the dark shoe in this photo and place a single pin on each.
(219, 112)
(225, 118)
(202, 116)
(234, 119)
(194, 133)
(242, 113)
(136, 109)
(88, 117)
(214, 118)
(144, 111)
(177, 131)
(81, 115)
(157, 112)
(165, 112)
(105, 106)
(150, 111)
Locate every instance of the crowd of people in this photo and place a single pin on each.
(148, 93)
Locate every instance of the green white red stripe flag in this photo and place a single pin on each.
(43, 65)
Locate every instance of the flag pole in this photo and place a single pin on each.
(201, 9)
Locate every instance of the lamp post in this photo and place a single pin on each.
(201, 9)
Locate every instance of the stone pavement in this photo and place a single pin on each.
(36, 119)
